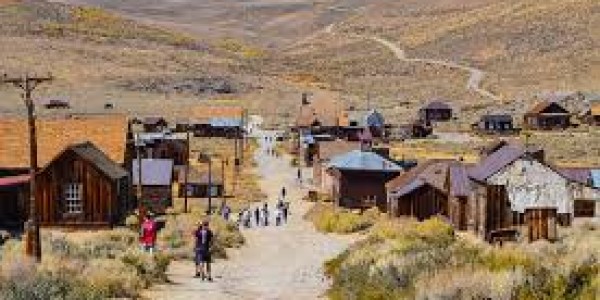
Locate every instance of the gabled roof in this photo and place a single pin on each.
(329, 149)
(579, 175)
(542, 106)
(437, 104)
(363, 160)
(95, 156)
(107, 132)
(431, 172)
(154, 171)
(496, 161)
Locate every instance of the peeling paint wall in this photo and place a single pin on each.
(531, 184)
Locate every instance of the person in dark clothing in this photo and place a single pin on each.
(265, 214)
(283, 192)
(257, 216)
(285, 211)
(299, 175)
(204, 240)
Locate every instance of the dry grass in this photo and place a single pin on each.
(326, 218)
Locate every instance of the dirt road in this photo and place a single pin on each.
(277, 262)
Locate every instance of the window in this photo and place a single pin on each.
(73, 203)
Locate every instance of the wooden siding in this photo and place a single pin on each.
(13, 208)
(541, 224)
(100, 202)
(355, 189)
(423, 203)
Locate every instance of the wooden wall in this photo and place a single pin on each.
(422, 204)
(101, 206)
(354, 188)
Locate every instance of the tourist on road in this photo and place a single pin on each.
(204, 239)
(265, 214)
(283, 192)
(148, 232)
(278, 216)
(285, 211)
(257, 216)
(225, 212)
(299, 176)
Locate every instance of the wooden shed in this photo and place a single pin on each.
(359, 178)
(157, 179)
(495, 124)
(435, 111)
(547, 116)
(82, 188)
(420, 192)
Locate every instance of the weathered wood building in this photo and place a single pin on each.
(359, 178)
(162, 145)
(213, 121)
(82, 187)
(157, 179)
(547, 116)
(435, 111)
(14, 194)
(495, 124)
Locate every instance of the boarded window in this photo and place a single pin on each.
(584, 208)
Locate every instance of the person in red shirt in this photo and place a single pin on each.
(148, 234)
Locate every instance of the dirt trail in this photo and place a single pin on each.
(475, 75)
(277, 262)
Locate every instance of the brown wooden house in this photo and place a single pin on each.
(215, 121)
(320, 115)
(157, 179)
(420, 192)
(82, 187)
(163, 145)
(435, 111)
(547, 116)
(14, 194)
(325, 150)
(495, 124)
(359, 178)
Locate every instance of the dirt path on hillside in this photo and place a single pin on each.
(475, 75)
(277, 262)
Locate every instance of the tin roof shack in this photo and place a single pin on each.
(514, 180)
(547, 116)
(325, 151)
(155, 124)
(14, 194)
(199, 184)
(82, 188)
(420, 192)
(359, 179)
(435, 111)
(107, 132)
(495, 124)
(157, 179)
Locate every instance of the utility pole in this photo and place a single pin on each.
(33, 247)
(187, 169)
(209, 210)
(138, 146)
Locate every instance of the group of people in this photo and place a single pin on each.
(261, 215)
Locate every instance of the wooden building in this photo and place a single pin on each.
(460, 192)
(359, 178)
(435, 111)
(320, 115)
(547, 116)
(495, 124)
(512, 181)
(325, 150)
(14, 194)
(82, 187)
(420, 192)
(215, 121)
(200, 185)
(353, 122)
(162, 145)
(155, 124)
(55, 103)
(413, 130)
(157, 179)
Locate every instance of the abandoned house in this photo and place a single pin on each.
(162, 145)
(358, 179)
(325, 150)
(82, 188)
(547, 116)
(435, 111)
(157, 179)
(215, 121)
(495, 124)
(352, 123)
(320, 115)
(515, 188)
(420, 192)
(200, 184)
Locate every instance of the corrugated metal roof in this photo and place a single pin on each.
(363, 160)
(225, 122)
(495, 161)
(433, 172)
(14, 180)
(460, 184)
(595, 178)
(154, 171)
(410, 187)
(580, 175)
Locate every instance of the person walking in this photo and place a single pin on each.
(204, 240)
(226, 212)
(299, 176)
(257, 216)
(283, 192)
(265, 214)
(285, 211)
(278, 216)
(148, 232)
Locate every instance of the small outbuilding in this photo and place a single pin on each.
(547, 116)
(435, 111)
(157, 179)
(495, 124)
